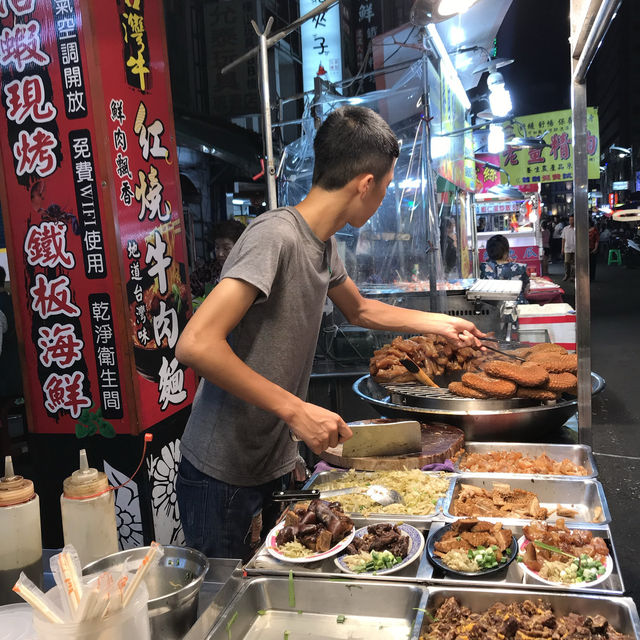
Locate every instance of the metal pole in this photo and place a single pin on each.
(474, 236)
(321, 8)
(603, 19)
(581, 221)
(427, 192)
(270, 169)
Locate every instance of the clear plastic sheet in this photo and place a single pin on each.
(399, 249)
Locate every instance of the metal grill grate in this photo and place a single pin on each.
(422, 391)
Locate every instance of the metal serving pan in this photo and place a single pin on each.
(579, 454)
(417, 521)
(514, 578)
(376, 611)
(584, 495)
(532, 423)
(620, 612)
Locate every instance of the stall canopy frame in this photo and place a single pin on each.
(590, 20)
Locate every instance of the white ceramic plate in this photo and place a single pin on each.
(272, 548)
(608, 568)
(416, 545)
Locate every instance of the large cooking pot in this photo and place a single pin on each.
(480, 419)
(173, 585)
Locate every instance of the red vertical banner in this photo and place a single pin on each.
(78, 313)
(128, 41)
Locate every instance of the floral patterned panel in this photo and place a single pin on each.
(128, 516)
(163, 470)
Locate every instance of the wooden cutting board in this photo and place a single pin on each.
(439, 442)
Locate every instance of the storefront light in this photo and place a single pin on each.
(439, 146)
(499, 96)
(496, 138)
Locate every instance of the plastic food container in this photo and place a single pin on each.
(130, 623)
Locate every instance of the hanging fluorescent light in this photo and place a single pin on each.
(496, 138)
(499, 96)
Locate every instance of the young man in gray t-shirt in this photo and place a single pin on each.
(253, 339)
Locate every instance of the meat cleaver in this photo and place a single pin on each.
(383, 437)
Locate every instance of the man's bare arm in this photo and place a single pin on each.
(203, 346)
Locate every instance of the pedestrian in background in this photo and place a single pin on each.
(569, 249)
(594, 244)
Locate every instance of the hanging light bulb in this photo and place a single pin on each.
(452, 7)
(499, 96)
(424, 12)
(496, 138)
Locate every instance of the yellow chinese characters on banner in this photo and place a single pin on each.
(553, 163)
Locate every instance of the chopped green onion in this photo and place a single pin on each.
(261, 612)
(549, 547)
(340, 619)
(230, 623)
(434, 619)
(286, 635)
(292, 593)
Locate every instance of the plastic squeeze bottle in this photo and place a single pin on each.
(88, 513)
(20, 535)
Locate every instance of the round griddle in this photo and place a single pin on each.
(510, 419)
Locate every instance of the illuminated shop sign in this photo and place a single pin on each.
(321, 49)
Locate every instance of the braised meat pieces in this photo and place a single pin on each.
(471, 533)
(516, 621)
(575, 542)
(516, 462)
(501, 501)
(433, 354)
(318, 527)
(381, 537)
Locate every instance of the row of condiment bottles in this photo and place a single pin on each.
(88, 522)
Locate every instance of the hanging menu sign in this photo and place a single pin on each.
(79, 318)
(59, 257)
(148, 206)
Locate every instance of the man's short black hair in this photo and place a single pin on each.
(350, 142)
(231, 229)
(497, 247)
(3, 276)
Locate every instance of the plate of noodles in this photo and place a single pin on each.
(297, 553)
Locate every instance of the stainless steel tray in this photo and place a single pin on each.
(620, 612)
(577, 453)
(416, 521)
(376, 611)
(514, 578)
(584, 495)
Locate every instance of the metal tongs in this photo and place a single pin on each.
(504, 353)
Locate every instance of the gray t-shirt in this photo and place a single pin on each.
(293, 269)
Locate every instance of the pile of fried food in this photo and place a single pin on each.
(382, 547)
(317, 527)
(515, 621)
(515, 462)
(501, 501)
(548, 372)
(472, 545)
(564, 555)
(504, 502)
(432, 353)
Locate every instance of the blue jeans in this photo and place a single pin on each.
(216, 516)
